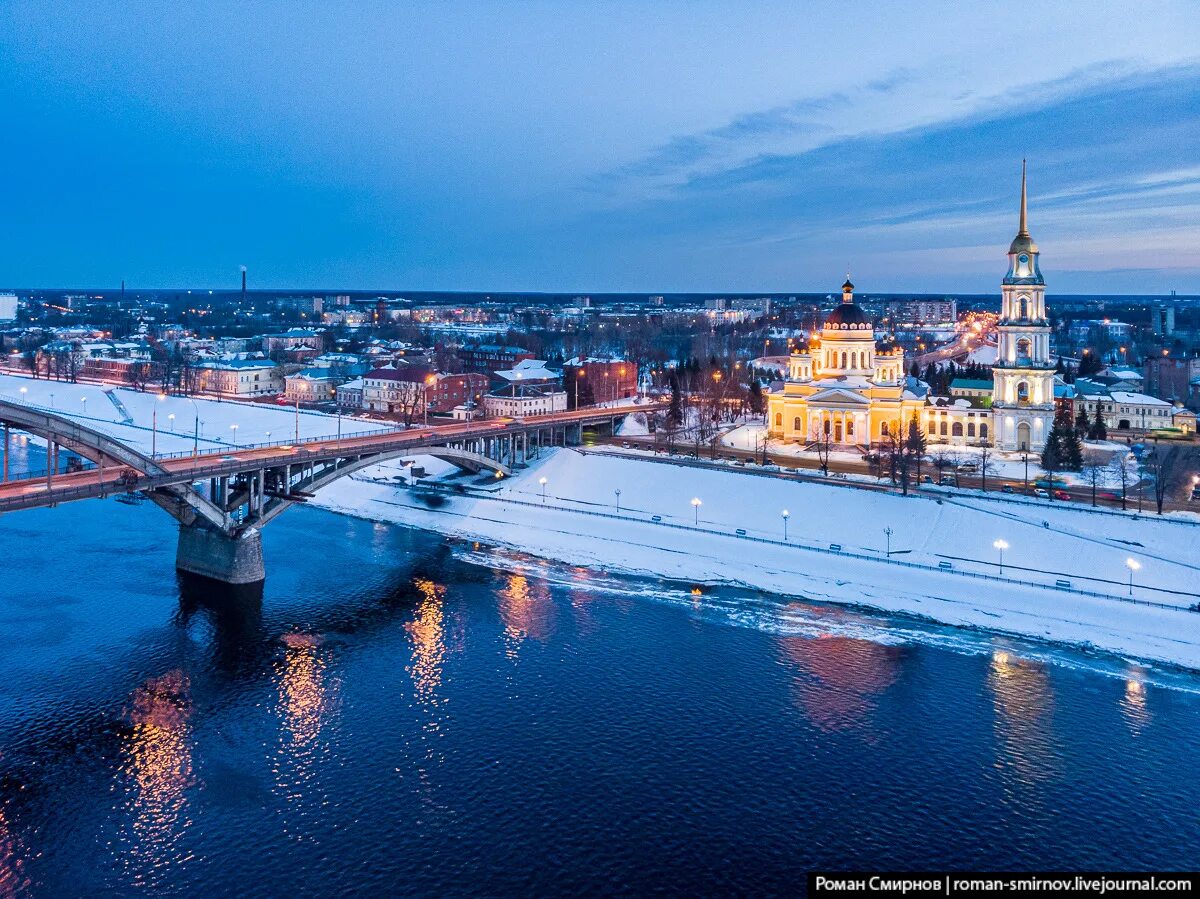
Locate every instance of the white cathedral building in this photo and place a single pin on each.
(848, 387)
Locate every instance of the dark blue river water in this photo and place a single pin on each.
(404, 715)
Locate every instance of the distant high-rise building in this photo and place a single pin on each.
(8, 307)
(1162, 318)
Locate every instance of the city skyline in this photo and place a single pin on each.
(692, 150)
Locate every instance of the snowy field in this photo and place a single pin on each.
(93, 405)
(924, 531)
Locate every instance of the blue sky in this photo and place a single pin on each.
(608, 146)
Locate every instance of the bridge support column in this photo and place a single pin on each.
(213, 554)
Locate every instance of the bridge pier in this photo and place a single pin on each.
(230, 559)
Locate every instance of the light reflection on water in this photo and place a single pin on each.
(423, 722)
(156, 775)
(307, 703)
(840, 679)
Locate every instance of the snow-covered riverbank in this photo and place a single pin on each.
(1091, 554)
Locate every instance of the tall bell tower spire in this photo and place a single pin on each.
(1023, 376)
(1024, 231)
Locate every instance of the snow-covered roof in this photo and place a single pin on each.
(528, 370)
(1139, 399)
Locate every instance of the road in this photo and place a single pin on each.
(965, 480)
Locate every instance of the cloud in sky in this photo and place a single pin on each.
(573, 146)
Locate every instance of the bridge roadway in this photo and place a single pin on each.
(179, 468)
(249, 486)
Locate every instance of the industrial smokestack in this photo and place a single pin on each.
(243, 300)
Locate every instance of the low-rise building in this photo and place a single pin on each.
(350, 394)
(311, 385)
(239, 377)
(1122, 410)
(529, 388)
(490, 357)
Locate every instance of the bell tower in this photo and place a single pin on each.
(1023, 376)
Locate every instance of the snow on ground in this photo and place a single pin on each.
(1001, 466)
(1057, 540)
(214, 419)
(633, 425)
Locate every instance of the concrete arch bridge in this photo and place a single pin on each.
(222, 499)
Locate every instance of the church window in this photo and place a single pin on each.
(970, 429)
(779, 419)
(796, 423)
(943, 430)
(983, 431)
(956, 430)
(883, 429)
(1024, 301)
(849, 427)
(854, 360)
(843, 360)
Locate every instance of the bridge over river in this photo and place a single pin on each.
(222, 494)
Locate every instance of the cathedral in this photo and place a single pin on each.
(846, 385)
(855, 390)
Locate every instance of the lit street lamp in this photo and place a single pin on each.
(542, 481)
(785, 515)
(1134, 565)
(171, 421)
(234, 429)
(617, 493)
(83, 399)
(154, 426)
(1001, 545)
(696, 506)
(24, 390)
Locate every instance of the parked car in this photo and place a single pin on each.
(926, 479)
(1063, 495)
(1008, 488)
(946, 480)
(625, 444)
(1040, 493)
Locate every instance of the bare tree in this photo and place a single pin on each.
(1119, 474)
(986, 465)
(1096, 472)
(824, 444)
(1170, 468)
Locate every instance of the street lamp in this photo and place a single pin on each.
(617, 493)
(1134, 565)
(542, 481)
(696, 506)
(785, 515)
(1001, 545)
(171, 421)
(234, 429)
(83, 399)
(24, 390)
(887, 532)
(154, 426)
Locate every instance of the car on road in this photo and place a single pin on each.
(1008, 488)
(625, 444)
(1040, 493)
(1063, 495)
(926, 479)
(946, 480)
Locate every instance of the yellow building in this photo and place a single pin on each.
(844, 385)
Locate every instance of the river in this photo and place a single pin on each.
(403, 714)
